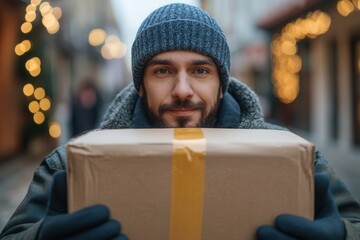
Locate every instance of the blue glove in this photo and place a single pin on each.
(89, 223)
(327, 224)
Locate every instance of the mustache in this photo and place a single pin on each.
(181, 104)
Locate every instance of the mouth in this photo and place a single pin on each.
(182, 112)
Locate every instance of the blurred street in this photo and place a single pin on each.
(15, 177)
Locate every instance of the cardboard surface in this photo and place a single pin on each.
(250, 177)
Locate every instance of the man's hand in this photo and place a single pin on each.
(327, 224)
(89, 223)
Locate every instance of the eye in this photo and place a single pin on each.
(162, 71)
(201, 71)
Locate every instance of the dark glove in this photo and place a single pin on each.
(89, 223)
(327, 224)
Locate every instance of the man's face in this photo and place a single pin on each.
(181, 89)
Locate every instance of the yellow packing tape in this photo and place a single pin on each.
(188, 173)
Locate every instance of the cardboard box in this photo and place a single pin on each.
(192, 183)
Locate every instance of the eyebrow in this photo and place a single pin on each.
(159, 62)
(204, 62)
(154, 62)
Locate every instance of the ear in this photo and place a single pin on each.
(141, 91)
(221, 93)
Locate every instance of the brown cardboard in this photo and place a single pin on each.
(251, 176)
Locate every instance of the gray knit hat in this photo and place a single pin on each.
(180, 27)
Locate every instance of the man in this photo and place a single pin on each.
(180, 64)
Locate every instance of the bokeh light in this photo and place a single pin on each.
(39, 93)
(34, 106)
(26, 27)
(39, 118)
(97, 37)
(28, 90)
(55, 130)
(287, 64)
(45, 104)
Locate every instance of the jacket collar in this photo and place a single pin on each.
(121, 111)
(228, 116)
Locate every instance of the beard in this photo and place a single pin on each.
(206, 120)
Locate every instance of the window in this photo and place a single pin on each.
(334, 96)
(356, 91)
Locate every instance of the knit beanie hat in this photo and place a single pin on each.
(180, 27)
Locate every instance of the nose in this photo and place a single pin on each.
(182, 89)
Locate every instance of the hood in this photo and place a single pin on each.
(120, 111)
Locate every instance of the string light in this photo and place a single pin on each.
(55, 130)
(97, 37)
(50, 19)
(26, 27)
(34, 106)
(28, 90)
(22, 47)
(33, 66)
(45, 104)
(39, 118)
(112, 47)
(345, 7)
(35, 2)
(287, 64)
(39, 93)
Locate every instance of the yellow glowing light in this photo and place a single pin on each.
(324, 22)
(57, 12)
(37, 60)
(33, 63)
(39, 93)
(39, 117)
(26, 27)
(33, 66)
(36, 72)
(97, 37)
(309, 26)
(22, 47)
(356, 3)
(18, 50)
(286, 64)
(35, 2)
(53, 28)
(276, 46)
(45, 104)
(289, 48)
(27, 44)
(28, 89)
(105, 52)
(112, 39)
(45, 8)
(294, 64)
(113, 48)
(30, 16)
(55, 130)
(49, 20)
(34, 107)
(31, 8)
(51, 23)
(345, 7)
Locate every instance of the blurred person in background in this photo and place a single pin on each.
(85, 107)
(180, 66)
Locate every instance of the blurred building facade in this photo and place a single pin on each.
(47, 49)
(10, 21)
(302, 58)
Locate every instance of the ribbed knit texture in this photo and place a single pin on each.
(121, 110)
(180, 27)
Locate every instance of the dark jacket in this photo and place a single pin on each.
(238, 109)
